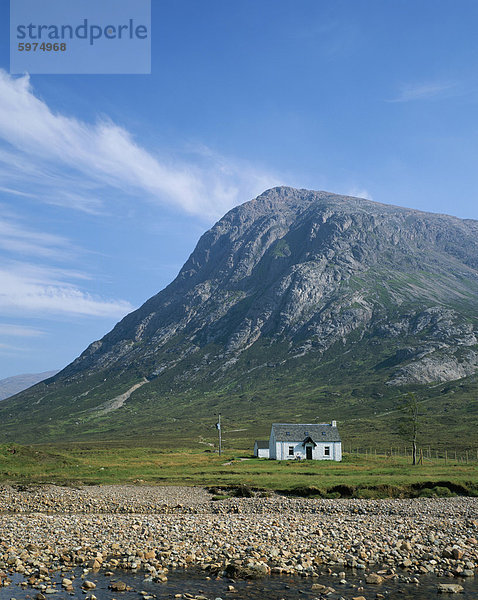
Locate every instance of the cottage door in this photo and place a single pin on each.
(308, 452)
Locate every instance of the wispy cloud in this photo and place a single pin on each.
(424, 91)
(30, 288)
(21, 331)
(7, 190)
(25, 288)
(59, 153)
(18, 239)
(9, 349)
(55, 159)
(90, 204)
(359, 192)
(8, 331)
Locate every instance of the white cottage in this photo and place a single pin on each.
(319, 441)
(261, 448)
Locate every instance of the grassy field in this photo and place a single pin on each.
(357, 475)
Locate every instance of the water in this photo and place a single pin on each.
(281, 587)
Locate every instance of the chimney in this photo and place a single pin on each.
(334, 424)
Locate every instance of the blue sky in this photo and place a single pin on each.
(107, 181)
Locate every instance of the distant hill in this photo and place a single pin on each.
(12, 385)
(296, 306)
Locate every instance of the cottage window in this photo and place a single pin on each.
(327, 451)
(291, 450)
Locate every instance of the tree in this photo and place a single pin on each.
(410, 423)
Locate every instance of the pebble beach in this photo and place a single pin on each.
(156, 530)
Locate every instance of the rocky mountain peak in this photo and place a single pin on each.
(303, 266)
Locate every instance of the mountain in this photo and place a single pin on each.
(18, 383)
(297, 305)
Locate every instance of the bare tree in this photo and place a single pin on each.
(410, 423)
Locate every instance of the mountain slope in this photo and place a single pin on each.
(12, 385)
(287, 301)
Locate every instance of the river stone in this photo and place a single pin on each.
(249, 571)
(117, 586)
(449, 588)
(374, 578)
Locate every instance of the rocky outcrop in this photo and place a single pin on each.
(437, 367)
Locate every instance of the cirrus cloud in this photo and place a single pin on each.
(424, 91)
(59, 153)
(40, 291)
(7, 330)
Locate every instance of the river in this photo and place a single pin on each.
(191, 583)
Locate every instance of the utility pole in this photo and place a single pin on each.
(218, 427)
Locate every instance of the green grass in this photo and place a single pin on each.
(357, 475)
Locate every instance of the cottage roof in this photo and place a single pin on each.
(294, 432)
(262, 444)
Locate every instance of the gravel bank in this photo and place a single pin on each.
(156, 529)
(129, 499)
